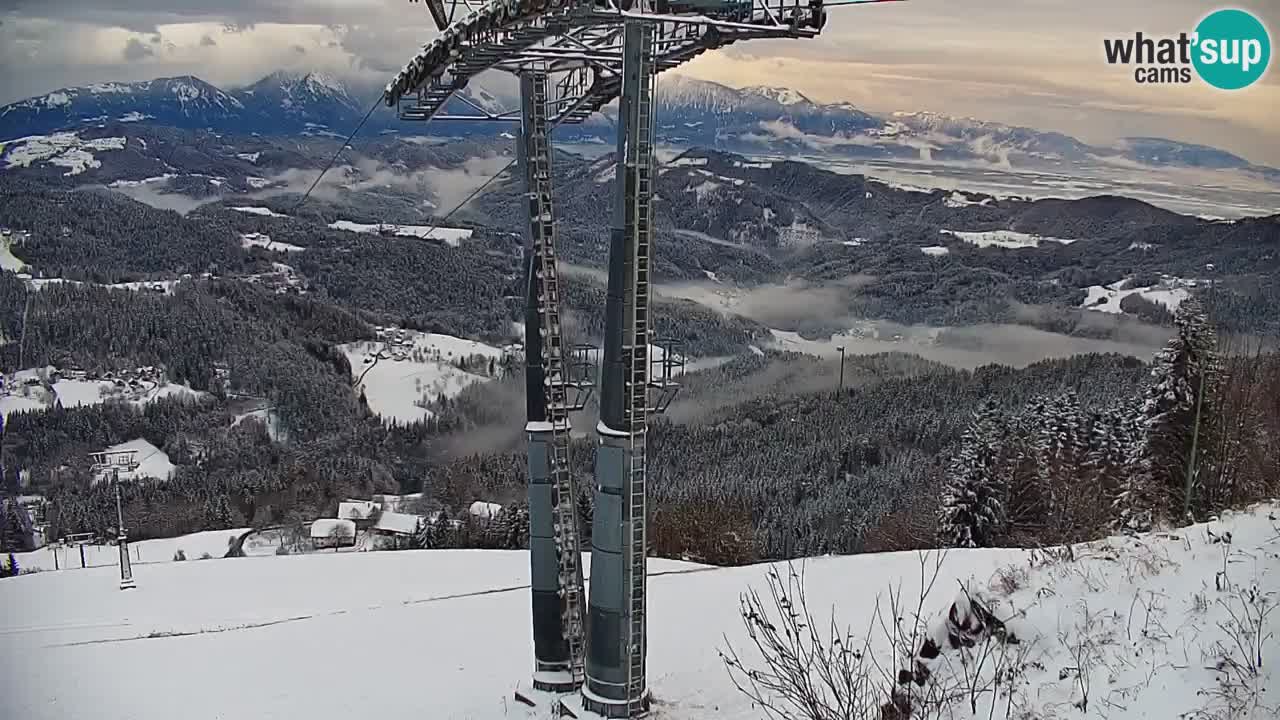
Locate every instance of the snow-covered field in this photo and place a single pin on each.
(64, 149)
(419, 368)
(1170, 292)
(213, 542)
(262, 240)
(1003, 238)
(76, 393)
(256, 210)
(1138, 623)
(8, 261)
(451, 236)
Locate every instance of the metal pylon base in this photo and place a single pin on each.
(605, 707)
(554, 681)
(541, 697)
(588, 706)
(127, 584)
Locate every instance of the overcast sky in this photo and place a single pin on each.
(1027, 62)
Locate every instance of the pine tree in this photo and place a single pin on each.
(1182, 395)
(1107, 455)
(1060, 447)
(972, 510)
(1026, 506)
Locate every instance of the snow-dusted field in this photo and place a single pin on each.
(256, 210)
(165, 286)
(77, 393)
(445, 634)
(451, 236)
(64, 149)
(1170, 293)
(1003, 238)
(248, 240)
(213, 542)
(9, 261)
(394, 386)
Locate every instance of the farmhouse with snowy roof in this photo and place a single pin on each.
(333, 533)
(397, 529)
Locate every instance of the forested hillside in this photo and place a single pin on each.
(250, 304)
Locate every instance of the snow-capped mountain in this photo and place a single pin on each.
(753, 120)
(314, 99)
(697, 112)
(780, 95)
(180, 101)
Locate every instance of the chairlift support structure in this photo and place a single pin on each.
(573, 57)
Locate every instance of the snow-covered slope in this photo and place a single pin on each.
(445, 634)
(410, 367)
(181, 101)
(193, 546)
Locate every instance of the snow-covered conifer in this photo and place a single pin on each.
(1184, 379)
(972, 511)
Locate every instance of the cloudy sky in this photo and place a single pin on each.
(1029, 62)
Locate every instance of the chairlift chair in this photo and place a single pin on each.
(664, 373)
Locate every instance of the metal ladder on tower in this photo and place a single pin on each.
(638, 375)
(568, 546)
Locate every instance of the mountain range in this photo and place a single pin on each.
(751, 120)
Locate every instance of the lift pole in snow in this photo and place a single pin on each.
(122, 539)
(573, 57)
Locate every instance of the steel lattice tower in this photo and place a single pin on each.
(573, 57)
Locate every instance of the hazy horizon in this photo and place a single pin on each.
(1037, 63)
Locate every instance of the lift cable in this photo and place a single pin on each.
(345, 144)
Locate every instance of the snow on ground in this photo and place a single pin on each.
(451, 236)
(1139, 619)
(165, 286)
(250, 157)
(64, 149)
(275, 429)
(144, 181)
(1003, 238)
(9, 261)
(262, 240)
(936, 250)
(257, 183)
(213, 542)
(78, 393)
(152, 462)
(253, 210)
(393, 386)
(958, 199)
(19, 403)
(133, 116)
(1170, 292)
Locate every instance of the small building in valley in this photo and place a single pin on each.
(333, 533)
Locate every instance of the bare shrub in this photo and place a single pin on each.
(1239, 655)
(902, 667)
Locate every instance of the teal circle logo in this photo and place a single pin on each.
(1232, 49)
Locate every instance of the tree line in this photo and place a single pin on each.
(1199, 438)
